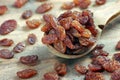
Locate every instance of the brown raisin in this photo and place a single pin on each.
(20, 3)
(75, 33)
(35, 23)
(3, 9)
(27, 73)
(95, 68)
(68, 5)
(6, 42)
(118, 46)
(94, 76)
(29, 60)
(8, 26)
(115, 75)
(19, 47)
(61, 69)
(93, 30)
(44, 7)
(31, 39)
(41, 0)
(116, 56)
(86, 33)
(27, 14)
(100, 2)
(49, 39)
(46, 28)
(6, 54)
(51, 76)
(60, 46)
(81, 69)
(99, 46)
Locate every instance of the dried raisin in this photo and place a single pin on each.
(51, 76)
(100, 2)
(19, 47)
(115, 75)
(81, 69)
(31, 39)
(68, 5)
(6, 42)
(20, 3)
(3, 9)
(118, 46)
(27, 14)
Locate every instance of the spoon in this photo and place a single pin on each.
(101, 20)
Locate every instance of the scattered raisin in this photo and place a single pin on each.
(6, 42)
(31, 39)
(81, 69)
(100, 2)
(27, 14)
(61, 69)
(27, 73)
(118, 46)
(32, 24)
(51, 76)
(6, 54)
(115, 75)
(19, 47)
(116, 56)
(3, 9)
(94, 76)
(68, 5)
(29, 60)
(20, 3)
(44, 7)
(8, 26)
(95, 68)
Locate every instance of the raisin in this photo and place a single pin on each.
(49, 39)
(94, 76)
(66, 22)
(84, 41)
(83, 4)
(86, 33)
(6, 54)
(99, 46)
(46, 28)
(19, 47)
(44, 7)
(41, 0)
(100, 2)
(27, 73)
(61, 69)
(75, 33)
(68, 43)
(116, 56)
(20, 3)
(27, 14)
(8, 26)
(31, 39)
(3, 9)
(35, 23)
(60, 46)
(52, 31)
(118, 46)
(95, 68)
(93, 30)
(81, 69)
(111, 65)
(51, 76)
(6, 42)
(115, 75)
(29, 60)
(68, 5)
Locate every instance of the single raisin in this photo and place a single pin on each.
(32, 24)
(3, 9)
(44, 7)
(46, 28)
(68, 5)
(116, 56)
(51, 76)
(75, 33)
(31, 39)
(86, 33)
(49, 39)
(94, 76)
(100, 2)
(27, 14)
(115, 75)
(81, 69)
(95, 68)
(118, 46)
(27, 73)
(6, 54)
(20, 3)
(8, 26)
(61, 69)
(6, 42)
(29, 60)
(99, 46)
(19, 47)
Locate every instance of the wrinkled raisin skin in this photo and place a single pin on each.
(6, 54)
(27, 14)
(68, 5)
(116, 56)
(31, 39)
(19, 47)
(29, 60)
(51, 76)
(27, 73)
(115, 75)
(20, 3)
(3, 9)
(6, 42)
(8, 26)
(81, 69)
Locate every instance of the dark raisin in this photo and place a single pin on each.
(6, 42)
(95, 68)
(116, 56)
(31, 39)
(27, 73)
(6, 54)
(27, 14)
(115, 75)
(8, 26)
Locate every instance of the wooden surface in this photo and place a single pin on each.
(8, 68)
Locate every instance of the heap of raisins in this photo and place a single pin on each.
(71, 33)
